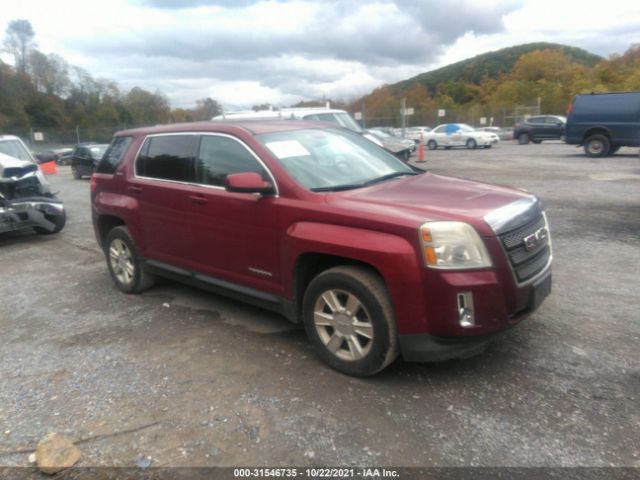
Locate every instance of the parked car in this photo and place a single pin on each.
(375, 258)
(400, 147)
(538, 128)
(26, 200)
(450, 135)
(417, 134)
(85, 157)
(604, 122)
(506, 133)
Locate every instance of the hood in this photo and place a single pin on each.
(13, 170)
(421, 198)
(14, 167)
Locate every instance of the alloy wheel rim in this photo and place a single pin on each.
(343, 325)
(121, 261)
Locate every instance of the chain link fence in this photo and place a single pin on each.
(41, 139)
(475, 116)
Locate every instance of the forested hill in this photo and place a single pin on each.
(491, 65)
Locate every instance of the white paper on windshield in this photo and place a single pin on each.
(287, 148)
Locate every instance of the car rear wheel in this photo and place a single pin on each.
(471, 143)
(523, 139)
(349, 320)
(597, 146)
(124, 264)
(432, 145)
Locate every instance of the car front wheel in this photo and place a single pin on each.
(58, 221)
(597, 146)
(523, 139)
(432, 145)
(471, 143)
(349, 320)
(124, 264)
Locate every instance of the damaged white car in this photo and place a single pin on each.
(26, 200)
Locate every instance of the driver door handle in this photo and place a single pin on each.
(198, 199)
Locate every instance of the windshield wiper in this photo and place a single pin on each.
(337, 188)
(351, 186)
(388, 177)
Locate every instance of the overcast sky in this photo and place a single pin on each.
(244, 52)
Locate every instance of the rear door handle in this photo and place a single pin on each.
(135, 189)
(199, 199)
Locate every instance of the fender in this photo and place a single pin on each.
(124, 207)
(393, 256)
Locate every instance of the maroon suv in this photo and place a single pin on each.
(375, 258)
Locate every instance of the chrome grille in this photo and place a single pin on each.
(525, 262)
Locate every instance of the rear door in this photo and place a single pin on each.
(162, 184)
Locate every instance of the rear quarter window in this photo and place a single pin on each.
(114, 155)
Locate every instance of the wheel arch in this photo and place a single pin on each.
(104, 224)
(311, 264)
(596, 131)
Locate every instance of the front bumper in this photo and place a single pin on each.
(30, 212)
(425, 347)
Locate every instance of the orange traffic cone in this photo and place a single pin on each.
(49, 168)
(421, 152)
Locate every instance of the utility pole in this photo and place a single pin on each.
(364, 115)
(403, 118)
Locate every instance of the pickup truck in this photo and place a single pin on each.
(374, 257)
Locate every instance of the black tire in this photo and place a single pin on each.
(523, 138)
(537, 142)
(406, 155)
(75, 172)
(58, 220)
(613, 149)
(432, 145)
(597, 145)
(471, 143)
(140, 280)
(373, 310)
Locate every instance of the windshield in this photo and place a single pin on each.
(380, 133)
(332, 159)
(341, 118)
(15, 149)
(97, 151)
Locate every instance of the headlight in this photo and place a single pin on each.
(452, 246)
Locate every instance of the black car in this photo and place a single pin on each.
(85, 158)
(538, 128)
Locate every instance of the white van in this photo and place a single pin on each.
(318, 114)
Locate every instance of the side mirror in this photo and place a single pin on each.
(248, 182)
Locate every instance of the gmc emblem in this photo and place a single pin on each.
(536, 239)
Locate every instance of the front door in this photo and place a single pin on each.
(234, 236)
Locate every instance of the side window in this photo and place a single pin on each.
(440, 129)
(113, 156)
(220, 156)
(536, 120)
(168, 157)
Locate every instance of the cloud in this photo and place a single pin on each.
(296, 47)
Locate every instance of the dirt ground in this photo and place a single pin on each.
(180, 377)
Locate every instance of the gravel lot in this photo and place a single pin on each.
(180, 377)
